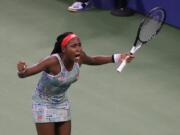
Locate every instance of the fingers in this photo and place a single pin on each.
(130, 58)
(127, 56)
(21, 66)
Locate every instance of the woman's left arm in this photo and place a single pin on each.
(95, 60)
(100, 60)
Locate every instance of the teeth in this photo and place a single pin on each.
(77, 56)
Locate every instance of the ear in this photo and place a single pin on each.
(63, 50)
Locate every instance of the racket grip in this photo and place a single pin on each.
(122, 65)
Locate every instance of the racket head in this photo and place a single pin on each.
(151, 25)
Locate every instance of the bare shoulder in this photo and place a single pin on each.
(83, 54)
(82, 57)
(85, 59)
(49, 61)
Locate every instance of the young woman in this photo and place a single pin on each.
(50, 104)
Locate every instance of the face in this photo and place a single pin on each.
(73, 49)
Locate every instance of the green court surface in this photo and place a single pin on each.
(142, 100)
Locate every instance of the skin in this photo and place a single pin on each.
(71, 53)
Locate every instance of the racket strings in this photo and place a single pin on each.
(151, 25)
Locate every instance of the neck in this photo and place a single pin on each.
(67, 62)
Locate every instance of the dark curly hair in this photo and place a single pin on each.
(59, 39)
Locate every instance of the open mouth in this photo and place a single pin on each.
(77, 56)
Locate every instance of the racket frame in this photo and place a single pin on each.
(138, 42)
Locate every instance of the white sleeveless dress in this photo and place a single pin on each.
(49, 100)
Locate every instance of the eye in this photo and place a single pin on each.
(79, 44)
(75, 45)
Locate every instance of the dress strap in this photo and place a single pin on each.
(59, 59)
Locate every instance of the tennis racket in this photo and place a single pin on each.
(148, 29)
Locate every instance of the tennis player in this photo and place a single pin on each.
(50, 104)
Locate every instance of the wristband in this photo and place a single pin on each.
(116, 58)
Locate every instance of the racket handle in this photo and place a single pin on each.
(122, 65)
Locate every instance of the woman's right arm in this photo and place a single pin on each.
(25, 71)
